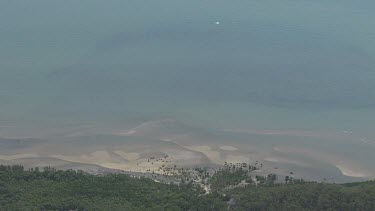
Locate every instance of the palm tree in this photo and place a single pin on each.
(287, 179)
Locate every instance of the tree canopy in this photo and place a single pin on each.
(50, 189)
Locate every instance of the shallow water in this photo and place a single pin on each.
(268, 66)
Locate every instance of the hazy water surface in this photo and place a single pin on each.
(229, 65)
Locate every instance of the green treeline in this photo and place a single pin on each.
(70, 190)
(307, 196)
(49, 189)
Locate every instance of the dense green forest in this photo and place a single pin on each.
(49, 189)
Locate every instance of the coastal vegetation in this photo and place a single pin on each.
(50, 189)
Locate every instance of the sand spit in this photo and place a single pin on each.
(223, 154)
(12, 157)
(345, 165)
(283, 160)
(152, 146)
(296, 133)
(131, 156)
(228, 148)
(347, 171)
(213, 155)
(237, 159)
(199, 148)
